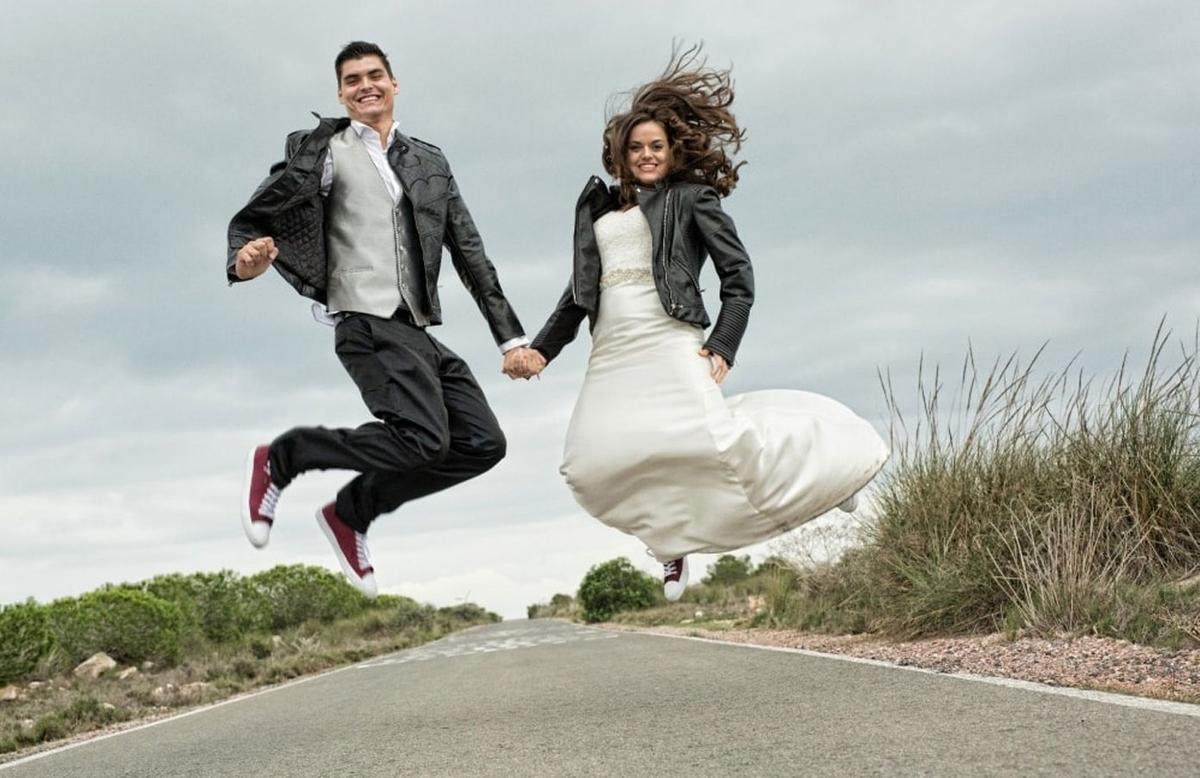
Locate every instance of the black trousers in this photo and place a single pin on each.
(434, 426)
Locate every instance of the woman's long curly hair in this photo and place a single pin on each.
(691, 101)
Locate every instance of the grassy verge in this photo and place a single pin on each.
(1033, 506)
(53, 703)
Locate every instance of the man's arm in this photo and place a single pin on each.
(478, 274)
(253, 259)
(250, 252)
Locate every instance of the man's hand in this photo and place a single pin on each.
(523, 362)
(720, 368)
(255, 257)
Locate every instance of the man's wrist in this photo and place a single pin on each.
(509, 345)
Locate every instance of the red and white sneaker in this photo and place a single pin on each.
(675, 577)
(259, 496)
(350, 546)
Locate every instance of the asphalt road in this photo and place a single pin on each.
(550, 698)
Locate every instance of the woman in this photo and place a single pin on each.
(653, 448)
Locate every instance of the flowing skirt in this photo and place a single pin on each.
(655, 450)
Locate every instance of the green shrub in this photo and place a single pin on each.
(455, 616)
(728, 569)
(24, 639)
(294, 594)
(260, 646)
(219, 607)
(127, 624)
(614, 586)
(561, 606)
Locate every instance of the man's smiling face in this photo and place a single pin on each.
(367, 89)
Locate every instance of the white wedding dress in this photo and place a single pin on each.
(655, 450)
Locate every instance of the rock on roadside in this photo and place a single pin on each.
(94, 666)
(12, 694)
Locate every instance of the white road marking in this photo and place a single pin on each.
(465, 644)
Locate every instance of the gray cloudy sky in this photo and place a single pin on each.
(921, 175)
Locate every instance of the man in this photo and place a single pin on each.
(355, 218)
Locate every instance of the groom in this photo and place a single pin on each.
(355, 217)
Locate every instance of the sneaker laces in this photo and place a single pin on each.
(270, 497)
(669, 568)
(360, 547)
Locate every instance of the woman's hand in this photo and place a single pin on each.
(523, 362)
(720, 368)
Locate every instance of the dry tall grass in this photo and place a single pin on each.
(1043, 504)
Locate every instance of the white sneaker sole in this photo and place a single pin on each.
(366, 583)
(258, 533)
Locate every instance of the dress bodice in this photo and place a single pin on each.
(626, 248)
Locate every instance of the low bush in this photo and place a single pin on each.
(129, 625)
(455, 616)
(25, 639)
(561, 606)
(294, 594)
(728, 569)
(614, 586)
(218, 607)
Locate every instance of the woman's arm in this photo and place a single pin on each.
(733, 267)
(561, 327)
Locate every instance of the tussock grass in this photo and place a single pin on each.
(1048, 505)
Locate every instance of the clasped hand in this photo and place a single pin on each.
(523, 362)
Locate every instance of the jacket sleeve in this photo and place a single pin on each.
(476, 270)
(562, 325)
(734, 270)
(243, 230)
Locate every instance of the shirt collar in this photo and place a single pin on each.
(363, 130)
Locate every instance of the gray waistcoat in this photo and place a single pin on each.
(374, 256)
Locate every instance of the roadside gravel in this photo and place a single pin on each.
(1084, 662)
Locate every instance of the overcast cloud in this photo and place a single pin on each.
(921, 175)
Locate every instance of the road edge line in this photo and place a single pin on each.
(1111, 698)
(86, 740)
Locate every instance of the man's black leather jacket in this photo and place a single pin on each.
(288, 207)
(687, 225)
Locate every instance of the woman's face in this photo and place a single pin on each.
(648, 154)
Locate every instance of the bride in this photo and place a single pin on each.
(653, 447)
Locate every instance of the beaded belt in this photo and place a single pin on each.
(626, 275)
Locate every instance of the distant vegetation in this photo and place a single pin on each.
(616, 590)
(1014, 503)
(193, 638)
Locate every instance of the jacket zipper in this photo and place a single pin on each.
(666, 251)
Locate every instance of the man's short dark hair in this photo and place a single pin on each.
(358, 50)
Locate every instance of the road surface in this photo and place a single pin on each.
(550, 698)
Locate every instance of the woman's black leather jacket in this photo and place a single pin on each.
(687, 225)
